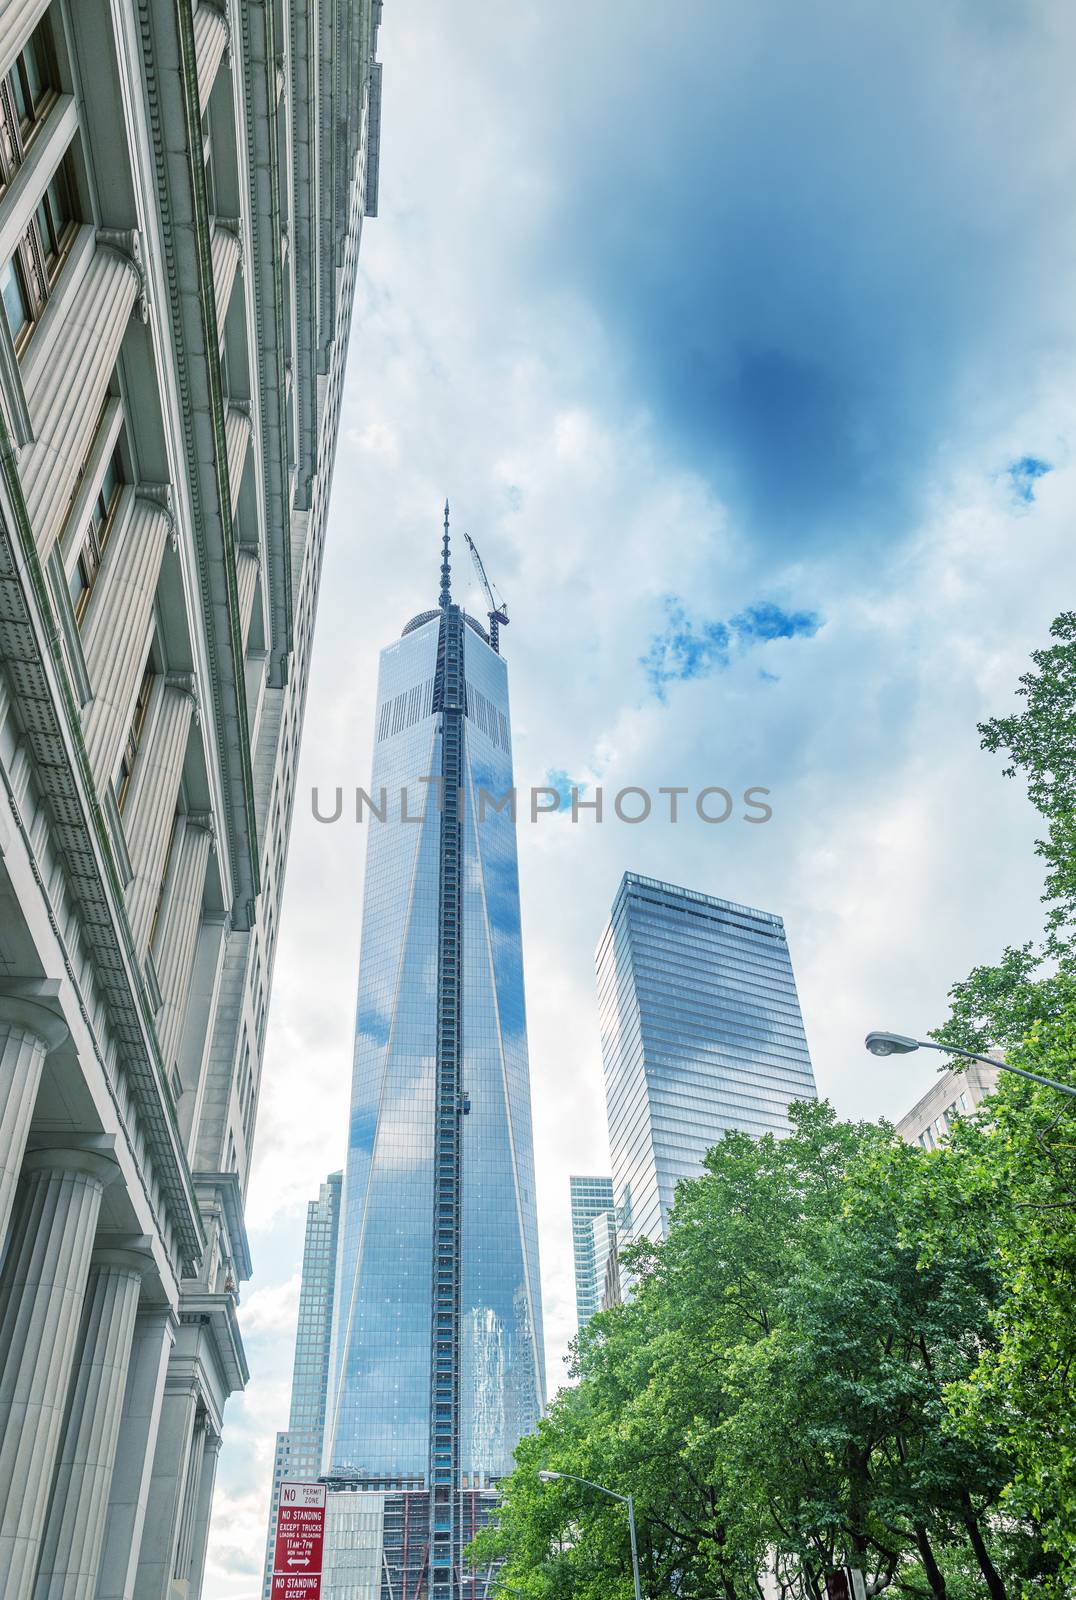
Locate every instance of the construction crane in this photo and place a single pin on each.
(498, 612)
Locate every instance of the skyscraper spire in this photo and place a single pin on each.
(446, 570)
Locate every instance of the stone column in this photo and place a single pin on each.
(75, 1525)
(177, 930)
(153, 1339)
(171, 1471)
(42, 1290)
(237, 432)
(202, 1513)
(224, 249)
(115, 635)
(151, 804)
(27, 1033)
(210, 41)
(66, 371)
(247, 567)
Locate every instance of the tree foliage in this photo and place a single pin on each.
(775, 1394)
(1041, 744)
(1022, 1162)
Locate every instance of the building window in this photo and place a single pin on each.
(98, 529)
(55, 218)
(159, 904)
(134, 737)
(28, 277)
(26, 95)
(16, 300)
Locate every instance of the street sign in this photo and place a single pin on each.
(300, 1541)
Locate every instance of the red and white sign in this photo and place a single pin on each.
(300, 1541)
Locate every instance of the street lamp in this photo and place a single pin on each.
(625, 1499)
(899, 1044)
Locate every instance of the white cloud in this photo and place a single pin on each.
(375, 439)
(272, 1309)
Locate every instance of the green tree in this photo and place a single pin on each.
(1019, 1166)
(773, 1396)
(1041, 744)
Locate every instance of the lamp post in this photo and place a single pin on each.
(625, 1499)
(899, 1044)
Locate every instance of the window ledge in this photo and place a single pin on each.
(33, 176)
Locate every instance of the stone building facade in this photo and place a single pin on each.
(182, 190)
(954, 1093)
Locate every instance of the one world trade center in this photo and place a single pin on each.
(436, 1366)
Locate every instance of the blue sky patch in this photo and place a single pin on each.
(686, 649)
(558, 779)
(1024, 474)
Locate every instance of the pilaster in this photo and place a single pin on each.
(171, 1471)
(116, 632)
(177, 932)
(151, 806)
(203, 1512)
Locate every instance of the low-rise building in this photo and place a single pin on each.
(953, 1094)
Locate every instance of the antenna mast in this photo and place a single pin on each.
(446, 570)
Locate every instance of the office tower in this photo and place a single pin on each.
(592, 1198)
(298, 1451)
(437, 1366)
(954, 1094)
(603, 1230)
(701, 1032)
(182, 188)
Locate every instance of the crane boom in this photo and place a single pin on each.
(498, 611)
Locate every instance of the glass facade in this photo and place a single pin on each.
(701, 1032)
(437, 1364)
(603, 1229)
(591, 1198)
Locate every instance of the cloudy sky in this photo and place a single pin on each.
(742, 337)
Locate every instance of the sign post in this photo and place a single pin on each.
(300, 1542)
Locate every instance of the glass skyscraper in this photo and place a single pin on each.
(437, 1364)
(298, 1451)
(591, 1198)
(701, 1032)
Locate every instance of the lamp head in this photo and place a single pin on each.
(890, 1044)
(548, 1477)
